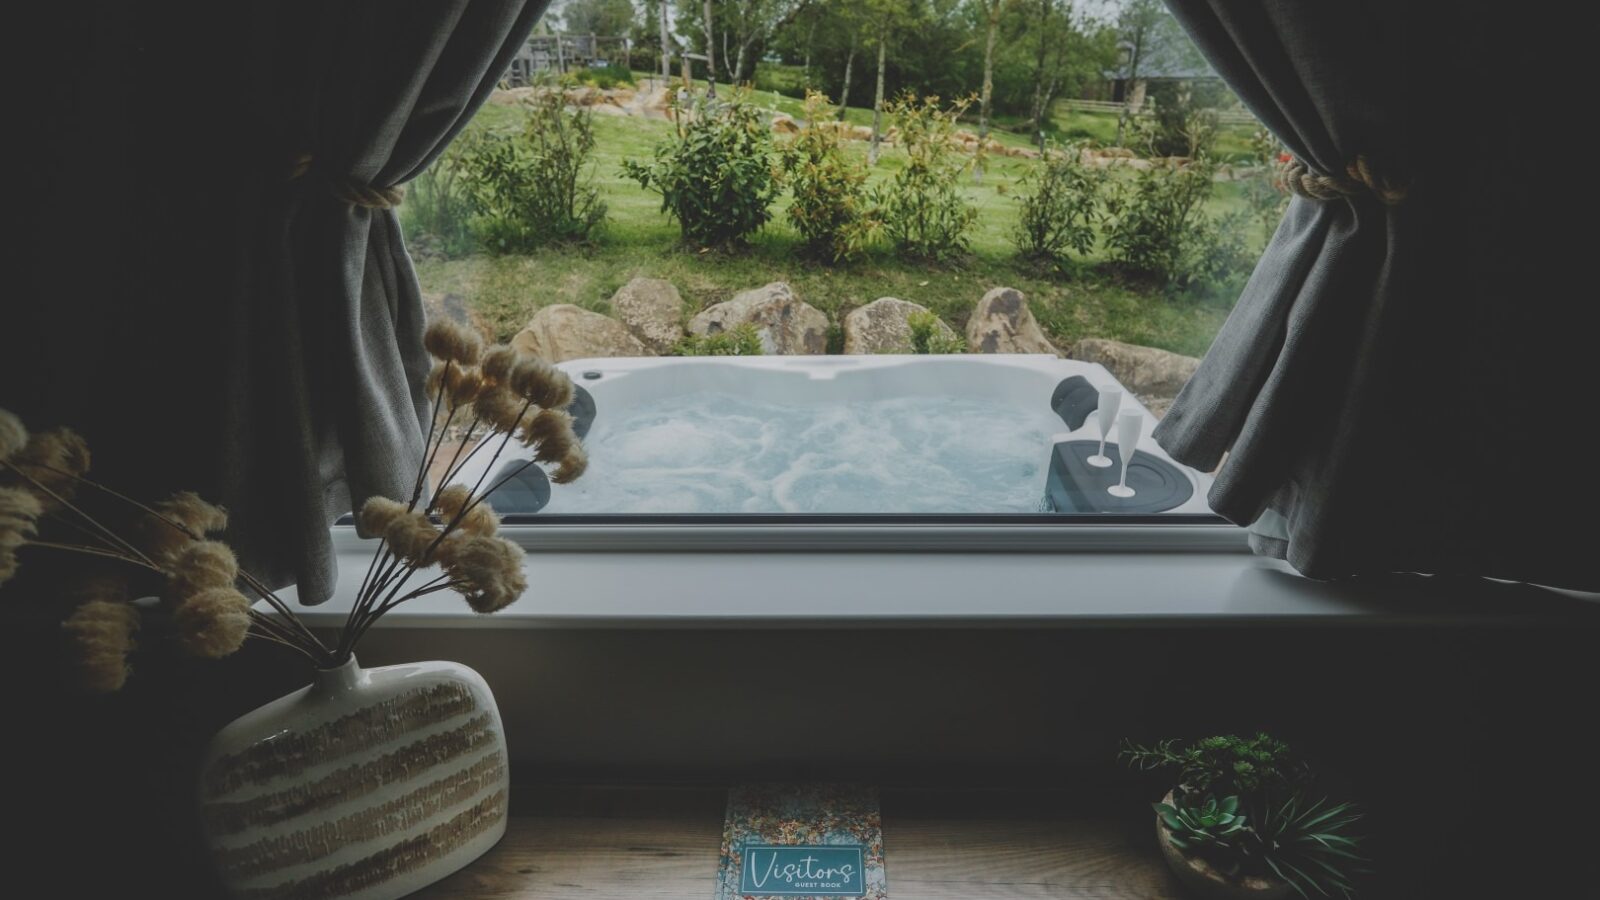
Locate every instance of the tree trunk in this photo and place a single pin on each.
(811, 41)
(738, 67)
(844, 92)
(666, 44)
(1036, 109)
(992, 10)
(877, 101)
(711, 53)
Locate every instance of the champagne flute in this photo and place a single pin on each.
(1129, 423)
(1105, 414)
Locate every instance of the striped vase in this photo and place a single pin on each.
(367, 784)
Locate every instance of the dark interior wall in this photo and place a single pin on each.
(1469, 746)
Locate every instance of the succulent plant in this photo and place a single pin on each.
(1208, 828)
(1310, 845)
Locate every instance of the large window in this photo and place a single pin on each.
(776, 304)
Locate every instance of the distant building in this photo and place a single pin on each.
(565, 53)
(1168, 55)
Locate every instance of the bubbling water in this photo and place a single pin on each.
(717, 453)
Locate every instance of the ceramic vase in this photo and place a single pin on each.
(368, 783)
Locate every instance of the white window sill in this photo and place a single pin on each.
(1100, 581)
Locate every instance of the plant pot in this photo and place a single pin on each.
(366, 783)
(1205, 882)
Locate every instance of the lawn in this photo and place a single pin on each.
(638, 239)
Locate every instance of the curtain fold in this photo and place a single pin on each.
(389, 86)
(1346, 398)
(208, 322)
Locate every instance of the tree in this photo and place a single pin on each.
(602, 17)
(887, 18)
(1138, 21)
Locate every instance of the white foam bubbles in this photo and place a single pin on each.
(717, 453)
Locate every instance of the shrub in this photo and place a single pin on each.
(923, 211)
(1158, 226)
(927, 338)
(740, 340)
(830, 207)
(436, 213)
(1185, 118)
(1266, 194)
(605, 77)
(1060, 213)
(535, 187)
(715, 176)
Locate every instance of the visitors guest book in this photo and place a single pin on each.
(801, 841)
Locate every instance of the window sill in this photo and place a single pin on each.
(821, 584)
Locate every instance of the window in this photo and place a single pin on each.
(772, 309)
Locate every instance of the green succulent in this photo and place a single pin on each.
(1312, 846)
(1210, 828)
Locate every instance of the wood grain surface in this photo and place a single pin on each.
(655, 843)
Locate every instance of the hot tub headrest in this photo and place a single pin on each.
(1073, 400)
(583, 410)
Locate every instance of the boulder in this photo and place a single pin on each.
(882, 326)
(1146, 371)
(787, 324)
(561, 332)
(652, 309)
(1002, 323)
(784, 124)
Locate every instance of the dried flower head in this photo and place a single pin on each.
(19, 513)
(550, 433)
(377, 513)
(54, 459)
(487, 571)
(572, 465)
(13, 435)
(543, 384)
(413, 537)
(500, 408)
(212, 623)
(199, 566)
(449, 340)
(481, 519)
(101, 635)
(197, 518)
(498, 363)
(100, 586)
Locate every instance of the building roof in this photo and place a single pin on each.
(1168, 54)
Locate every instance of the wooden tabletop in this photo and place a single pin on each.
(656, 843)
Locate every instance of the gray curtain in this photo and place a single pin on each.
(1355, 398)
(388, 87)
(208, 322)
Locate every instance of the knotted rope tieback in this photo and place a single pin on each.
(357, 193)
(1359, 177)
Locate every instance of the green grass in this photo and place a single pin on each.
(639, 240)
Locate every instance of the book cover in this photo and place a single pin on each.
(793, 842)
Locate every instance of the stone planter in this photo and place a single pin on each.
(366, 783)
(1203, 881)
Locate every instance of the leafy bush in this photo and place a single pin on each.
(604, 78)
(436, 213)
(715, 176)
(535, 187)
(830, 208)
(1060, 213)
(1185, 118)
(1158, 226)
(923, 211)
(781, 79)
(927, 337)
(740, 340)
(1266, 194)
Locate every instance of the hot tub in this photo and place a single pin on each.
(841, 435)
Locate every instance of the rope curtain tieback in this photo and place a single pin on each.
(348, 189)
(1359, 177)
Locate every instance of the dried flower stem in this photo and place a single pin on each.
(95, 551)
(433, 420)
(112, 535)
